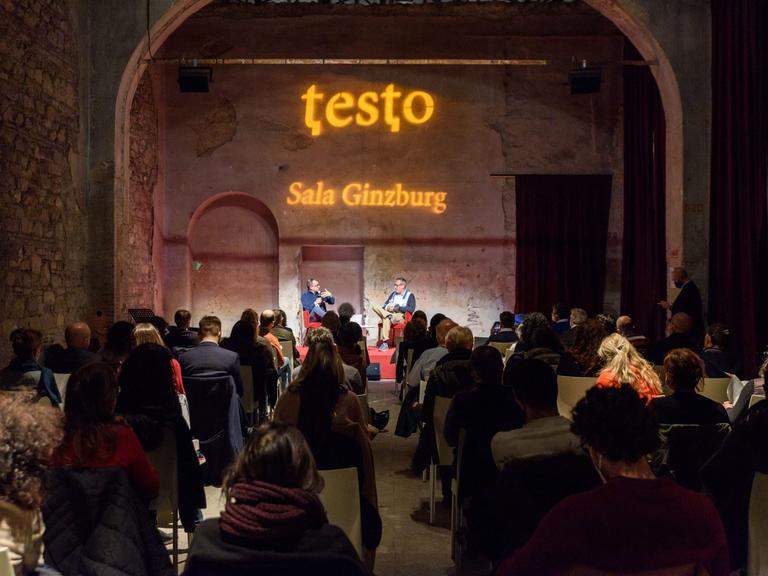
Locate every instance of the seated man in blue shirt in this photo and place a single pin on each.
(314, 300)
(400, 301)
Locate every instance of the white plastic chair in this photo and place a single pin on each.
(755, 398)
(571, 389)
(716, 389)
(444, 451)
(341, 499)
(166, 505)
(61, 383)
(6, 568)
(757, 552)
(363, 400)
(287, 347)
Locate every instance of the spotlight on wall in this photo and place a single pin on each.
(194, 79)
(585, 79)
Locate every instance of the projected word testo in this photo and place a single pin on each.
(357, 194)
(393, 106)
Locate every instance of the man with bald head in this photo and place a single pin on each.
(626, 327)
(678, 336)
(76, 355)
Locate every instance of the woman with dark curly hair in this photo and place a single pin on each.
(587, 338)
(95, 438)
(28, 435)
(634, 522)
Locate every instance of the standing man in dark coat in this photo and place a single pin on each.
(688, 301)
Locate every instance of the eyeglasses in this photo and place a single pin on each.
(398, 285)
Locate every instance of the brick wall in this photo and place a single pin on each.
(135, 269)
(43, 235)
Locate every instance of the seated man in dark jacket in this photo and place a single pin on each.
(76, 355)
(180, 336)
(208, 359)
(506, 331)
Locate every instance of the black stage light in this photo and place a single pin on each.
(585, 80)
(194, 78)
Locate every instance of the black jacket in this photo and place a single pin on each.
(325, 550)
(209, 359)
(181, 338)
(689, 302)
(658, 350)
(96, 524)
(66, 361)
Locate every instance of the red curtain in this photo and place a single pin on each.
(643, 271)
(562, 228)
(737, 240)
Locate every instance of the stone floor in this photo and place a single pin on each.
(410, 546)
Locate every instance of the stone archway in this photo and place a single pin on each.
(232, 255)
(623, 14)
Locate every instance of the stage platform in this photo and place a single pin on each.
(383, 358)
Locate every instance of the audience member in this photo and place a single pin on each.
(95, 438)
(433, 323)
(208, 359)
(149, 402)
(24, 373)
(451, 374)
(118, 344)
(333, 323)
(609, 322)
(145, 333)
(546, 346)
(587, 338)
(285, 334)
(626, 327)
(426, 362)
(416, 338)
(616, 527)
(688, 302)
(577, 317)
(180, 336)
(481, 411)
(560, 318)
(161, 325)
(623, 365)
(78, 338)
(527, 328)
(257, 355)
(331, 419)
(678, 336)
(352, 354)
(420, 315)
(283, 364)
(272, 510)
(718, 355)
(684, 374)
(728, 477)
(506, 331)
(545, 432)
(346, 311)
(28, 435)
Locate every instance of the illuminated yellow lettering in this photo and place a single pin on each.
(390, 198)
(338, 102)
(329, 197)
(295, 190)
(311, 96)
(428, 104)
(350, 195)
(403, 197)
(389, 95)
(369, 112)
(428, 198)
(308, 197)
(440, 205)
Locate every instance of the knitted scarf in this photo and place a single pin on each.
(263, 513)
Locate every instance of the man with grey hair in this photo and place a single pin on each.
(688, 302)
(400, 302)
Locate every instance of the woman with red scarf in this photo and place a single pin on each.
(273, 521)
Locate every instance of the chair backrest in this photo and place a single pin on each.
(501, 347)
(305, 318)
(409, 360)
(444, 451)
(6, 568)
(509, 352)
(571, 389)
(716, 389)
(44, 401)
(755, 398)
(287, 348)
(363, 400)
(61, 383)
(757, 553)
(341, 498)
(422, 390)
(165, 460)
(248, 399)
(683, 450)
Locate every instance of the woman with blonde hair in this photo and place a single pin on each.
(622, 364)
(146, 333)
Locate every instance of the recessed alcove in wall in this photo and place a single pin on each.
(233, 248)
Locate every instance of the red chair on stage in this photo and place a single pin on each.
(309, 325)
(396, 329)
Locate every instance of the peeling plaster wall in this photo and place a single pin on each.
(43, 233)
(248, 135)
